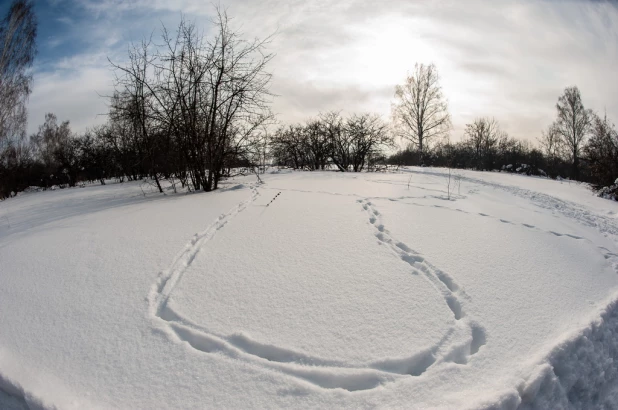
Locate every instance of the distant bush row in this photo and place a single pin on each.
(194, 110)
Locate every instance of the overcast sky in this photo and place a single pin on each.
(507, 59)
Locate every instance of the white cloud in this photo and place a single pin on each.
(507, 59)
(74, 91)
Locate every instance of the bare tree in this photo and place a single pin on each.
(134, 103)
(16, 164)
(340, 141)
(602, 151)
(352, 144)
(204, 96)
(17, 50)
(237, 88)
(288, 147)
(249, 147)
(421, 111)
(54, 146)
(317, 143)
(551, 145)
(448, 184)
(50, 138)
(573, 124)
(483, 136)
(121, 138)
(367, 135)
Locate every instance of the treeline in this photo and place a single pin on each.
(55, 156)
(499, 152)
(193, 110)
(189, 109)
(18, 32)
(355, 143)
(579, 145)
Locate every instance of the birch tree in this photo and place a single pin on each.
(421, 112)
(573, 124)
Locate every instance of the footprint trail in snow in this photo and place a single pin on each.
(461, 341)
(454, 296)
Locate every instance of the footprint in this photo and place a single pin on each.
(412, 259)
(479, 338)
(382, 238)
(504, 221)
(403, 247)
(528, 226)
(482, 214)
(454, 305)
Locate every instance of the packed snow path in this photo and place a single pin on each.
(312, 290)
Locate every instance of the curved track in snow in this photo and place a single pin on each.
(461, 341)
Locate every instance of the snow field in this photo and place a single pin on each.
(347, 290)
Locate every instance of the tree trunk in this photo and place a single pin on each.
(156, 178)
(420, 148)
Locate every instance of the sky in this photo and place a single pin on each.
(505, 59)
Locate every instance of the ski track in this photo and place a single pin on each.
(325, 373)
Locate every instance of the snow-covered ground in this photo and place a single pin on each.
(316, 290)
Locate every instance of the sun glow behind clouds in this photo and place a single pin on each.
(385, 49)
(382, 51)
(507, 59)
